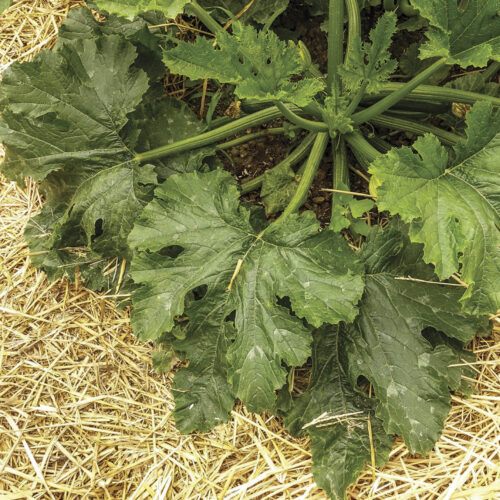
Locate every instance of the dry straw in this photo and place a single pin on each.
(82, 415)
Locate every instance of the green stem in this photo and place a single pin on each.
(335, 43)
(312, 165)
(444, 136)
(299, 121)
(490, 71)
(255, 135)
(434, 93)
(340, 171)
(353, 105)
(291, 160)
(354, 26)
(389, 101)
(204, 17)
(212, 136)
(361, 146)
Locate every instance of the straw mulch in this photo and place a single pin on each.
(82, 415)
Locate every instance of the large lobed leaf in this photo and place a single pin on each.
(466, 33)
(258, 63)
(244, 270)
(336, 417)
(411, 376)
(73, 119)
(454, 210)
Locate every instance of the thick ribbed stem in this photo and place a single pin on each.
(389, 101)
(312, 165)
(204, 16)
(434, 93)
(299, 121)
(212, 136)
(444, 136)
(335, 43)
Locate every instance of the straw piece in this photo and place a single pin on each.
(82, 415)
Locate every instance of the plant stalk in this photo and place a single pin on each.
(340, 170)
(389, 101)
(435, 94)
(448, 138)
(205, 17)
(335, 43)
(255, 135)
(361, 146)
(299, 121)
(298, 154)
(312, 165)
(490, 71)
(354, 26)
(211, 136)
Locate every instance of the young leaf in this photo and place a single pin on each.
(385, 343)
(466, 33)
(131, 8)
(369, 64)
(340, 446)
(453, 210)
(258, 63)
(244, 270)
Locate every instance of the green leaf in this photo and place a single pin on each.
(61, 125)
(340, 440)
(411, 65)
(203, 396)
(66, 261)
(81, 24)
(369, 63)
(244, 270)
(68, 120)
(4, 5)
(466, 33)
(258, 63)
(453, 209)
(131, 8)
(261, 11)
(163, 361)
(278, 187)
(360, 207)
(385, 344)
(158, 121)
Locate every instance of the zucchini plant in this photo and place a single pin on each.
(129, 174)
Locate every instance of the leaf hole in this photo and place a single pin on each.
(97, 229)
(171, 251)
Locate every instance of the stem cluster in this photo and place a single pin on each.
(361, 110)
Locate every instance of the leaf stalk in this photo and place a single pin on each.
(312, 165)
